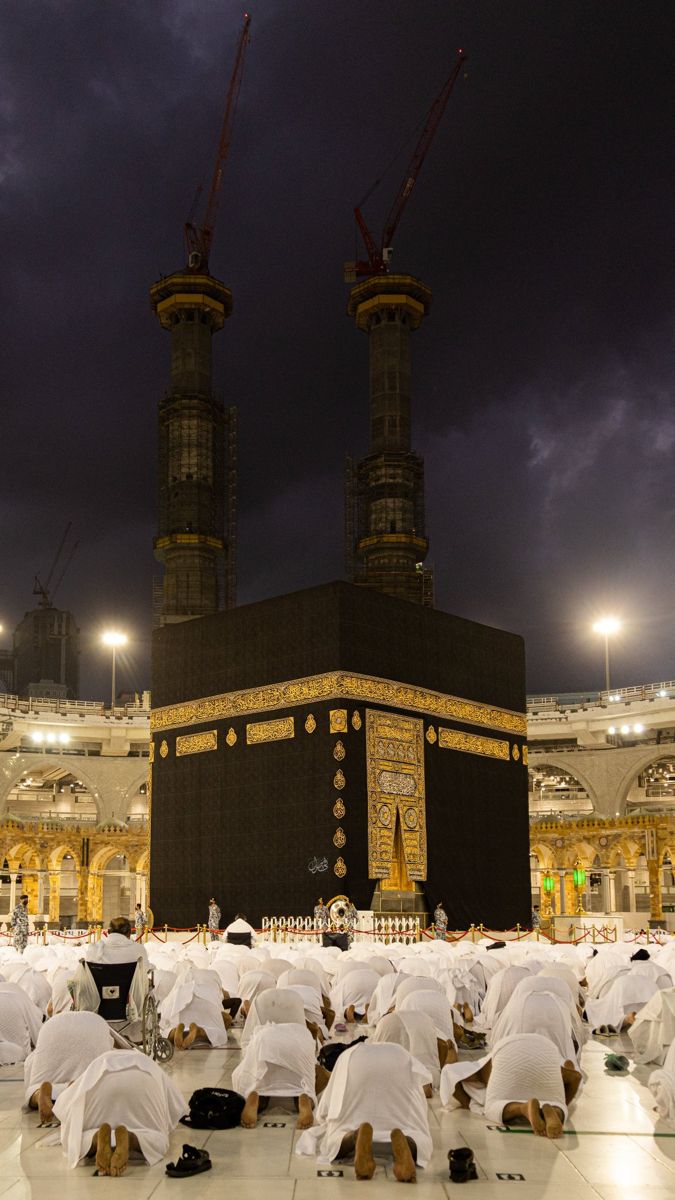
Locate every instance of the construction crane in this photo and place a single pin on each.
(379, 254)
(199, 237)
(42, 589)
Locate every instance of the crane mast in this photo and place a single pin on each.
(199, 238)
(378, 254)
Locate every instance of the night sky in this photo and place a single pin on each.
(542, 379)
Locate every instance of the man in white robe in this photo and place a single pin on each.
(117, 947)
(196, 1002)
(523, 1078)
(375, 1095)
(20, 1019)
(65, 1047)
(416, 1032)
(545, 1006)
(662, 1086)
(279, 1057)
(653, 1029)
(123, 1092)
(351, 995)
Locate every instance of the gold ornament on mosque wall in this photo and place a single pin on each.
(338, 720)
(310, 723)
(231, 737)
(524, 753)
(339, 837)
(151, 754)
(270, 731)
(339, 751)
(431, 735)
(515, 752)
(196, 743)
(164, 749)
(356, 720)
(340, 868)
(339, 809)
(339, 780)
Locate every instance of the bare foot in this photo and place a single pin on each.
(467, 1013)
(305, 1114)
(103, 1150)
(45, 1103)
(328, 1016)
(249, 1116)
(553, 1119)
(364, 1163)
(404, 1164)
(227, 1020)
(442, 1046)
(628, 1020)
(120, 1155)
(536, 1118)
(321, 1078)
(176, 1036)
(463, 1098)
(193, 1032)
(428, 1091)
(451, 1055)
(349, 1013)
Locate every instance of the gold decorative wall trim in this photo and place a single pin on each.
(339, 751)
(338, 720)
(339, 685)
(196, 743)
(356, 720)
(231, 737)
(151, 754)
(339, 838)
(340, 868)
(310, 723)
(339, 780)
(339, 809)
(270, 731)
(164, 748)
(472, 743)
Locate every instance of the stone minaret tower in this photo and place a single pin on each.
(195, 539)
(386, 540)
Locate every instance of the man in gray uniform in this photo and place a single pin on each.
(19, 922)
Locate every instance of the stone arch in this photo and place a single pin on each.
(544, 854)
(58, 854)
(131, 791)
(11, 775)
(640, 762)
(562, 763)
(581, 850)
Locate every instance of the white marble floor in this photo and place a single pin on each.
(614, 1147)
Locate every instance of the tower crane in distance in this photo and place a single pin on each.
(199, 237)
(379, 253)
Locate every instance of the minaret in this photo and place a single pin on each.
(386, 541)
(196, 448)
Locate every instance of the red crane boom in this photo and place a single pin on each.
(377, 262)
(199, 238)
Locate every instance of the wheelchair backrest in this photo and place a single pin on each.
(113, 981)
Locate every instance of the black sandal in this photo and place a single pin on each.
(191, 1162)
(462, 1165)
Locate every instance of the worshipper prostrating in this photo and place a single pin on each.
(124, 1097)
(280, 1056)
(20, 1019)
(524, 1078)
(65, 1047)
(374, 1097)
(193, 1010)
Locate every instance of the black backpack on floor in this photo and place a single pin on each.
(214, 1108)
(331, 1051)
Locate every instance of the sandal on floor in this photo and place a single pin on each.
(616, 1064)
(462, 1165)
(191, 1162)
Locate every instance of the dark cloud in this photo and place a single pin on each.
(543, 377)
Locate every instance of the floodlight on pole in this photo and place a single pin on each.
(114, 638)
(607, 626)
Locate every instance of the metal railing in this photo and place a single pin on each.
(303, 929)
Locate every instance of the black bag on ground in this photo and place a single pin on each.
(214, 1108)
(331, 1051)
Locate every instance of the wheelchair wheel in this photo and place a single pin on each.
(163, 1050)
(149, 1026)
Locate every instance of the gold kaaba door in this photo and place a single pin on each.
(397, 837)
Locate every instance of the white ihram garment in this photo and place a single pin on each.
(254, 982)
(525, 1066)
(627, 992)
(500, 989)
(279, 1060)
(381, 1084)
(20, 1020)
(121, 1087)
(383, 998)
(543, 1013)
(416, 1033)
(662, 1086)
(278, 1006)
(355, 987)
(196, 1000)
(653, 1030)
(436, 1006)
(66, 1045)
(116, 948)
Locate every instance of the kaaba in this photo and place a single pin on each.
(338, 741)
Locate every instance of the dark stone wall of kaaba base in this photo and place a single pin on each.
(246, 822)
(337, 627)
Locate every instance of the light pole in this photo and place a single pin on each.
(114, 639)
(607, 626)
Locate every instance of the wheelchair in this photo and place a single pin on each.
(113, 983)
